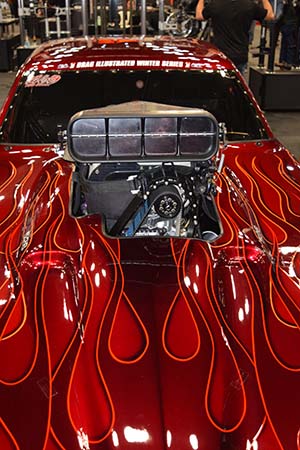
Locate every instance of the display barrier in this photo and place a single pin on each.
(42, 21)
(268, 85)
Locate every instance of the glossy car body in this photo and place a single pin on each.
(147, 343)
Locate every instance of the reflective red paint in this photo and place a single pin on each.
(146, 343)
(149, 343)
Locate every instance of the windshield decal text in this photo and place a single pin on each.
(127, 63)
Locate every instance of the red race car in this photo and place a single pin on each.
(150, 254)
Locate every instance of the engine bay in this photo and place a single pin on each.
(136, 200)
(147, 175)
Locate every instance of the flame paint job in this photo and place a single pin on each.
(150, 344)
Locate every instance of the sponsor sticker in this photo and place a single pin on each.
(42, 80)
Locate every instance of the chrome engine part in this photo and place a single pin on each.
(148, 173)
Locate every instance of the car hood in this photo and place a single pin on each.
(150, 343)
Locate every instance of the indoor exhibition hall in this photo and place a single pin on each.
(149, 225)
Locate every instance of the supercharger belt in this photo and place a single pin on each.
(166, 201)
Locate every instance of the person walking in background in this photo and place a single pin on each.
(231, 23)
(288, 26)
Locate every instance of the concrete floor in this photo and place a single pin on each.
(285, 125)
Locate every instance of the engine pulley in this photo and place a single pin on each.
(168, 204)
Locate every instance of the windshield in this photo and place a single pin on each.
(44, 105)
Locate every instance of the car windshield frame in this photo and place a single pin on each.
(34, 102)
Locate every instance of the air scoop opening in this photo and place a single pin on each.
(148, 169)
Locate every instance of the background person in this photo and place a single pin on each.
(231, 23)
(288, 26)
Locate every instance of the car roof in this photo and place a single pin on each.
(133, 53)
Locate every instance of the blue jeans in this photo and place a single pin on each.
(288, 44)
